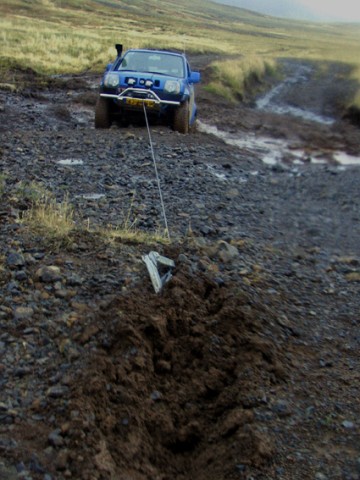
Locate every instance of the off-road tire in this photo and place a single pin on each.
(102, 113)
(181, 118)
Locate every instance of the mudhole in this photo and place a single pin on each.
(171, 389)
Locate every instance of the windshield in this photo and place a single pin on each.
(154, 62)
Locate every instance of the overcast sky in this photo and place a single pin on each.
(340, 9)
(343, 10)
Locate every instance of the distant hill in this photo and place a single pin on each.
(297, 10)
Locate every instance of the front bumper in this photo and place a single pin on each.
(137, 97)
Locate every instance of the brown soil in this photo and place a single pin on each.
(170, 392)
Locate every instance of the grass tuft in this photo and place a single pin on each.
(128, 232)
(51, 220)
(134, 235)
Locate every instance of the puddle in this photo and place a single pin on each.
(92, 196)
(274, 151)
(319, 161)
(271, 151)
(255, 145)
(71, 162)
(346, 160)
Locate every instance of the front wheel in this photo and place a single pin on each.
(102, 113)
(181, 118)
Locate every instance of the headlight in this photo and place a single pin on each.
(172, 86)
(111, 80)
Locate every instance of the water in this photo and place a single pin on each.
(275, 151)
(71, 162)
(272, 101)
(346, 160)
(271, 151)
(300, 113)
(92, 196)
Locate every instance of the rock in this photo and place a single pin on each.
(348, 425)
(55, 438)
(23, 313)
(49, 274)
(74, 280)
(182, 258)
(155, 396)
(15, 260)
(282, 408)
(21, 276)
(226, 252)
(13, 288)
(61, 293)
(320, 476)
(57, 391)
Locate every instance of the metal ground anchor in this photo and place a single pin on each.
(152, 261)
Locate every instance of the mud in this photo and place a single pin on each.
(176, 380)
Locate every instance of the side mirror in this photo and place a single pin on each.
(108, 67)
(194, 77)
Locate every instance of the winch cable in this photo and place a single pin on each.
(156, 173)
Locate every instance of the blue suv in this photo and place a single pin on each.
(159, 81)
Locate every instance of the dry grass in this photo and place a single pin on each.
(56, 36)
(52, 47)
(128, 232)
(52, 220)
(134, 235)
(55, 221)
(233, 78)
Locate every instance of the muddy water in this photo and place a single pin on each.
(274, 101)
(275, 151)
(303, 95)
(345, 159)
(71, 162)
(270, 150)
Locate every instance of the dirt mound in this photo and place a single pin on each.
(170, 390)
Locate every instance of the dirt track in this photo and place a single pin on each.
(246, 366)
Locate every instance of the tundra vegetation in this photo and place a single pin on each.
(57, 36)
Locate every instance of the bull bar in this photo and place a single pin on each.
(140, 91)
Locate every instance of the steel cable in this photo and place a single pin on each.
(156, 174)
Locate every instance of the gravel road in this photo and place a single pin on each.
(246, 365)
